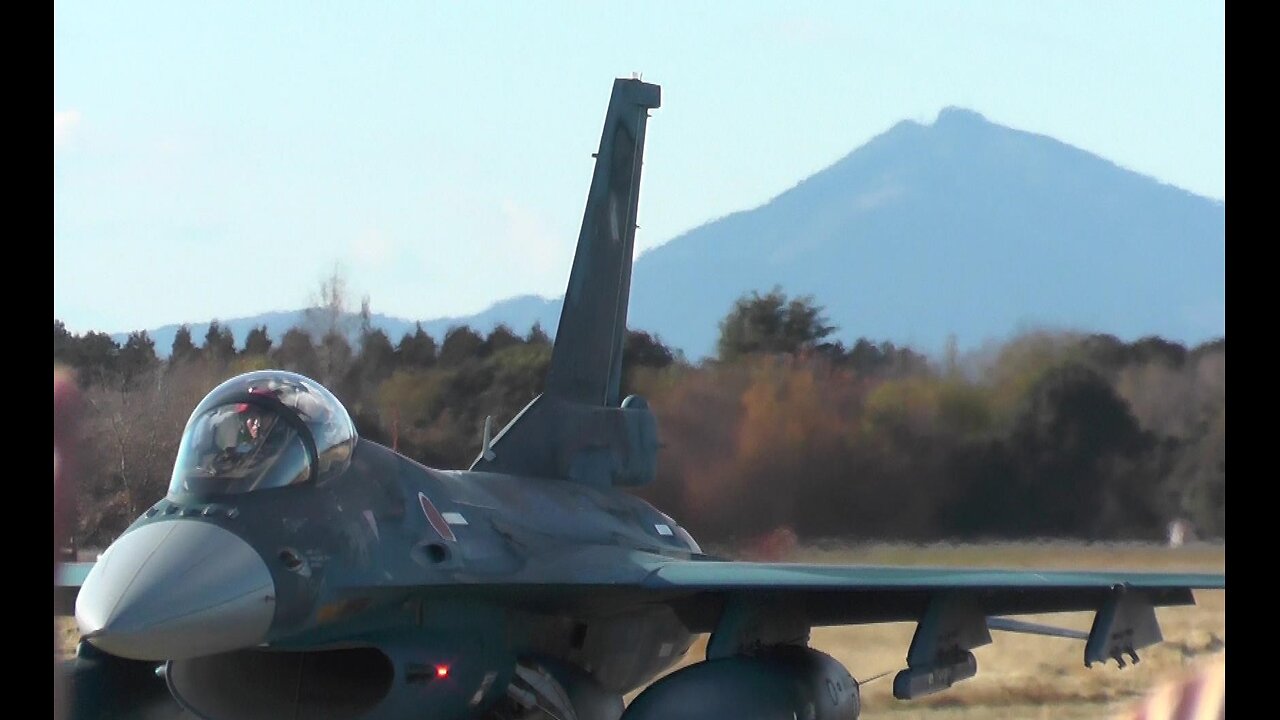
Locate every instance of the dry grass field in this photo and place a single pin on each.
(1020, 677)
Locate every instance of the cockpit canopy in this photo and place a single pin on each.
(264, 429)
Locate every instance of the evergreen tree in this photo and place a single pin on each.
(771, 324)
(417, 350)
(377, 358)
(219, 344)
(138, 356)
(645, 350)
(642, 350)
(63, 343)
(257, 342)
(183, 349)
(460, 345)
(98, 357)
(335, 358)
(296, 353)
(499, 339)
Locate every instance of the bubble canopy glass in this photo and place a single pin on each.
(264, 429)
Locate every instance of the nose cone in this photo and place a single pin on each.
(174, 590)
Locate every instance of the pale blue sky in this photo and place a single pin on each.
(218, 159)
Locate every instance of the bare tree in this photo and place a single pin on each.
(330, 324)
(135, 432)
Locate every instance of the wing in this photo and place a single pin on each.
(745, 605)
(841, 594)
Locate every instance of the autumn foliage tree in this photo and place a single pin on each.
(787, 436)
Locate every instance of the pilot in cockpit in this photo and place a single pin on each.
(251, 430)
(263, 430)
(238, 435)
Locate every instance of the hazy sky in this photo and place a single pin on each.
(219, 159)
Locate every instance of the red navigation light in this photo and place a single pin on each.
(442, 671)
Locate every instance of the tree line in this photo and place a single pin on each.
(784, 433)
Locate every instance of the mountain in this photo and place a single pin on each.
(962, 227)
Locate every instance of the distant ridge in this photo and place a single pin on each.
(962, 227)
(520, 313)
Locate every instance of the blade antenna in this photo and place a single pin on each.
(485, 450)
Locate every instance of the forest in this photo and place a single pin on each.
(784, 436)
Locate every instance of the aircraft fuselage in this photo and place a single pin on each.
(435, 569)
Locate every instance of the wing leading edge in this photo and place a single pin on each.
(846, 595)
(763, 576)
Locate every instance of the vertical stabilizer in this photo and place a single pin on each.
(586, 364)
(578, 429)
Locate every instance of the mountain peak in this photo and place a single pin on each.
(952, 115)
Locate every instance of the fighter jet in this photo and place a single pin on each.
(297, 570)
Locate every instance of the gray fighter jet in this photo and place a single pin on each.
(296, 570)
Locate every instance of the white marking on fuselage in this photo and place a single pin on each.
(663, 529)
(454, 518)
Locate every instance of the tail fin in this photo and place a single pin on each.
(577, 429)
(586, 364)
